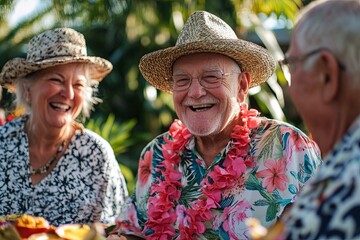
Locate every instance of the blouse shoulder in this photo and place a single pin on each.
(92, 138)
(12, 128)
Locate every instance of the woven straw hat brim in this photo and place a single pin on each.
(19, 67)
(156, 67)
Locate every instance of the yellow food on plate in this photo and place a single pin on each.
(23, 226)
(78, 232)
(25, 220)
(30, 221)
(72, 231)
(26, 225)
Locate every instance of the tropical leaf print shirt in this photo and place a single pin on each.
(285, 159)
(329, 206)
(85, 186)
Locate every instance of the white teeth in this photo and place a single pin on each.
(61, 106)
(201, 106)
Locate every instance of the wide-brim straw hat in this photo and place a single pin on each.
(204, 32)
(51, 48)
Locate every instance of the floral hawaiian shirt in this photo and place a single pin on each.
(285, 159)
(85, 186)
(329, 206)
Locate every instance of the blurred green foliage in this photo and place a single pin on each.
(119, 137)
(122, 31)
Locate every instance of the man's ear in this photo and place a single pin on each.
(243, 86)
(330, 76)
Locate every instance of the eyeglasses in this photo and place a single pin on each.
(288, 63)
(207, 79)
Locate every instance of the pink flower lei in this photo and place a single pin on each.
(163, 210)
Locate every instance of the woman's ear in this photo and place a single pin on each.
(330, 76)
(27, 93)
(243, 85)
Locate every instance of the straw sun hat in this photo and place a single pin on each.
(51, 48)
(205, 32)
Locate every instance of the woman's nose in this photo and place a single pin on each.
(68, 91)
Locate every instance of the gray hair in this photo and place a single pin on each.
(334, 25)
(90, 99)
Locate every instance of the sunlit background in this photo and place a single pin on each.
(122, 31)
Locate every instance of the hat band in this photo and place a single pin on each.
(56, 51)
(56, 56)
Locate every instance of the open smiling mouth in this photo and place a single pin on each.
(203, 107)
(60, 107)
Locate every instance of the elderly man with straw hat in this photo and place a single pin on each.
(220, 163)
(50, 165)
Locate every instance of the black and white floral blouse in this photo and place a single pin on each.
(85, 186)
(329, 206)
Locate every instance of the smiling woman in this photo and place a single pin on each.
(52, 166)
(54, 78)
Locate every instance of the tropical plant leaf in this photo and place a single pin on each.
(271, 212)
